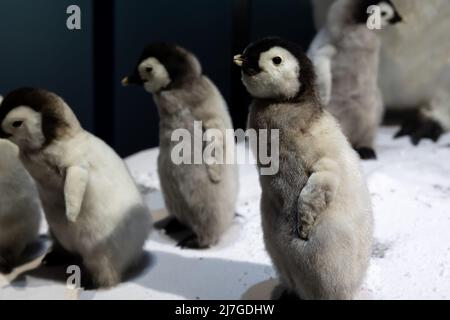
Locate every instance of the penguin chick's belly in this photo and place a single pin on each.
(356, 99)
(192, 198)
(358, 111)
(99, 225)
(357, 122)
(332, 263)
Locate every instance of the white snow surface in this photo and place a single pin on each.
(410, 189)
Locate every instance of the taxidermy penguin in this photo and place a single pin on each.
(202, 196)
(348, 75)
(316, 211)
(92, 205)
(419, 46)
(20, 210)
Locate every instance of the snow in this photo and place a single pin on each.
(410, 188)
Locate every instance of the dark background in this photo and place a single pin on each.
(86, 66)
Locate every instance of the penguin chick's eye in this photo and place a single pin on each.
(17, 124)
(149, 69)
(276, 60)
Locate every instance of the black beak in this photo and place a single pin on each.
(134, 79)
(247, 67)
(4, 135)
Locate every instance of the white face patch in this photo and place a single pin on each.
(386, 12)
(154, 75)
(279, 76)
(25, 127)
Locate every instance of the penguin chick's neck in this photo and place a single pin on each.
(306, 92)
(189, 94)
(298, 114)
(67, 128)
(186, 78)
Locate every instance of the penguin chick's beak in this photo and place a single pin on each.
(239, 60)
(125, 82)
(4, 135)
(132, 80)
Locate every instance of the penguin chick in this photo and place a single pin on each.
(352, 95)
(316, 211)
(432, 119)
(20, 213)
(200, 196)
(91, 203)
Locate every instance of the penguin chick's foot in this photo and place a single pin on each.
(419, 127)
(173, 226)
(366, 153)
(87, 283)
(5, 266)
(287, 295)
(59, 258)
(191, 242)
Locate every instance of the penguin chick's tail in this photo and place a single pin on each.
(321, 59)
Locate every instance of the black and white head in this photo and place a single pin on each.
(389, 14)
(273, 68)
(33, 118)
(164, 66)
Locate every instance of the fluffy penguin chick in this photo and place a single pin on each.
(91, 203)
(200, 196)
(20, 212)
(354, 97)
(316, 211)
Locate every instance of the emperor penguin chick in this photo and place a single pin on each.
(92, 205)
(201, 196)
(316, 210)
(352, 83)
(20, 210)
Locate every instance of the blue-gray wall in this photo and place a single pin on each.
(290, 19)
(36, 49)
(202, 26)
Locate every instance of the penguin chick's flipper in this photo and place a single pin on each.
(172, 226)
(322, 63)
(214, 150)
(77, 179)
(191, 242)
(317, 194)
(419, 127)
(366, 153)
(5, 266)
